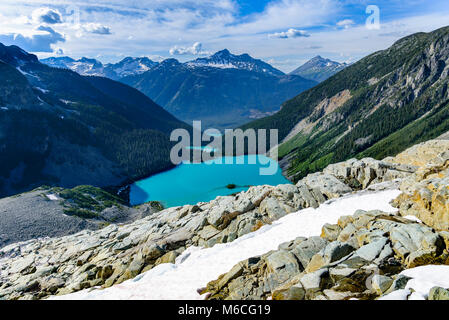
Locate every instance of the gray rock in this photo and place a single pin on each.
(381, 284)
(437, 293)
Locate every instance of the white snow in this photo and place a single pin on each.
(423, 279)
(26, 73)
(66, 101)
(213, 65)
(42, 90)
(413, 218)
(52, 197)
(197, 266)
(4, 108)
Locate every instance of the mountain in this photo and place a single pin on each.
(319, 69)
(226, 60)
(60, 128)
(223, 91)
(92, 67)
(376, 107)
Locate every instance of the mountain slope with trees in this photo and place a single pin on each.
(378, 106)
(60, 128)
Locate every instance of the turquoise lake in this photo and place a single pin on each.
(191, 183)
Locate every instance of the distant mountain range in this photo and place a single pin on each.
(319, 69)
(60, 128)
(377, 107)
(223, 90)
(92, 67)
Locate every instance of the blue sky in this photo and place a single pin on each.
(285, 33)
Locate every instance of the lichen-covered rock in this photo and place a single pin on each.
(365, 265)
(438, 293)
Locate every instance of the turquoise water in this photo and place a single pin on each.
(192, 183)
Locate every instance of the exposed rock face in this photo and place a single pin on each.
(362, 173)
(425, 193)
(361, 256)
(373, 248)
(42, 267)
(437, 293)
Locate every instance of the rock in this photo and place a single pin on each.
(272, 209)
(371, 251)
(423, 153)
(416, 244)
(340, 272)
(328, 185)
(306, 249)
(295, 292)
(312, 282)
(381, 284)
(51, 284)
(348, 231)
(437, 293)
(235, 272)
(330, 232)
(284, 264)
(399, 283)
(360, 174)
(334, 251)
(169, 257)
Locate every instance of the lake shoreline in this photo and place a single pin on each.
(190, 183)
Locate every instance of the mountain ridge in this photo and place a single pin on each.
(61, 128)
(319, 69)
(380, 105)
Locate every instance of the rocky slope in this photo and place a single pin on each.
(43, 267)
(57, 212)
(362, 255)
(377, 107)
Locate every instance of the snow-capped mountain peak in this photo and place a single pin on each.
(224, 59)
(92, 67)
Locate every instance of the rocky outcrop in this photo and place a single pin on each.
(58, 212)
(43, 267)
(361, 258)
(425, 193)
(362, 173)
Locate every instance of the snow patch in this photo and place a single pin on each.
(423, 279)
(52, 197)
(197, 266)
(42, 90)
(413, 218)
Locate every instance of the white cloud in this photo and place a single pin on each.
(195, 49)
(290, 33)
(41, 41)
(96, 28)
(46, 15)
(345, 23)
(164, 27)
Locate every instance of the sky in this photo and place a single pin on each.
(285, 33)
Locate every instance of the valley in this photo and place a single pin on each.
(94, 205)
